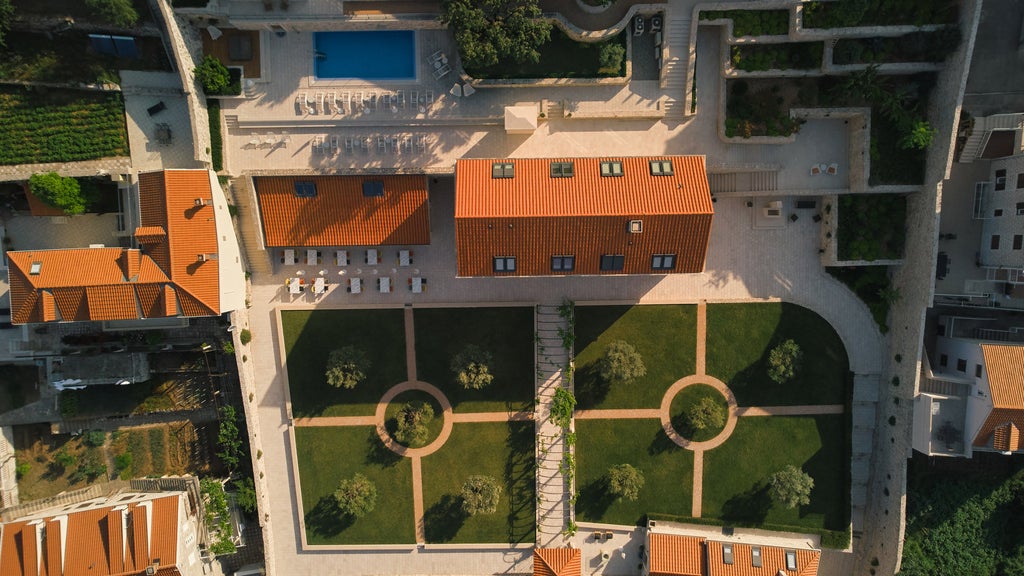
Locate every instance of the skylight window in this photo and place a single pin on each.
(36, 268)
(561, 169)
(305, 189)
(611, 168)
(790, 560)
(373, 188)
(661, 168)
(503, 170)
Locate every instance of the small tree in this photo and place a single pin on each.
(918, 137)
(784, 362)
(480, 495)
(706, 414)
(213, 76)
(625, 481)
(621, 363)
(611, 55)
(412, 423)
(356, 496)
(58, 191)
(245, 494)
(791, 487)
(347, 367)
(120, 13)
(472, 367)
(489, 32)
(6, 15)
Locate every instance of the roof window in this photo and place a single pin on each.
(661, 168)
(755, 556)
(561, 169)
(611, 168)
(36, 268)
(373, 188)
(791, 560)
(727, 554)
(503, 170)
(305, 189)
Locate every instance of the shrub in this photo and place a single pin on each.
(59, 192)
(412, 423)
(95, 438)
(625, 481)
(918, 136)
(88, 470)
(227, 438)
(480, 495)
(356, 496)
(123, 465)
(120, 13)
(784, 362)
(63, 459)
(791, 487)
(21, 470)
(347, 367)
(621, 363)
(227, 347)
(471, 368)
(216, 138)
(217, 517)
(6, 15)
(706, 414)
(245, 337)
(562, 406)
(213, 76)
(611, 56)
(245, 494)
(491, 31)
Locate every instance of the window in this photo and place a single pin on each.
(35, 269)
(961, 365)
(994, 244)
(1000, 180)
(661, 168)
(305, 189)
(791, 560)
(563, 263)
(636, 226)
(1020, 180)
(727, 557)
(373, 188)
(755, 556)
(663, 261)
(504, 263)
(561, 169)
(943, 360)
(997, 212)
(503, 170)
(1018, 240)
(977, 370)
(612, 262)
(1020, 208)
(613, 168)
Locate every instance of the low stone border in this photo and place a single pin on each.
(666, 412)
(405, 451)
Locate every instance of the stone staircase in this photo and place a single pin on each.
(553, 508)
(256, 257)
(673, 74)
(982, 130)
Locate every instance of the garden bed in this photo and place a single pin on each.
(914, 47)
(872, 226)
(788, 56)
(53, 464)
(561, 57)
(156, 451)
(37, 57)
(752, 22)
(161, 393)
(869, 283)
(878, 13)
(760, 107)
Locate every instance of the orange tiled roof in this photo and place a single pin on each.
(556, 562)
(340, 215)
(674, 555)
(1006, 388)
(1006, 437)
(773, 561)
(532, 192)
(93, 542)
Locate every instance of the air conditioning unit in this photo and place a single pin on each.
(204, 201)
(207, 256)
(636, 226)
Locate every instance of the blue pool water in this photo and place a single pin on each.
(365, 55)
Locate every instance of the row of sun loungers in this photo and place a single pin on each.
(332, 144)
(335, 104)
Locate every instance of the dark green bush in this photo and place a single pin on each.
(789, 56)
(752, 22)
(216, 138)
(872, 226)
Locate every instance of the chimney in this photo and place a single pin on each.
(203, 202)
(206, 256)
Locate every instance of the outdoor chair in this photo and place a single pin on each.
(156, 108)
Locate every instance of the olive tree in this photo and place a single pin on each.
(480, 495)
(471, 367)
(58, 191)
(356, 496)
(413, 418)
(784, 362)
(347, 367)
(791, 487)
(706, 414)
(489, 32)
(621, 363)
(625, 481)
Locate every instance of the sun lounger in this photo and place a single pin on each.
(400, 96)
(430, 96)
(421, 142)
(357, 101)
(442, 71)
(468, 90)
(365, 143)
(436, 56)
(407, 144)
(320, 103)
(332, 98)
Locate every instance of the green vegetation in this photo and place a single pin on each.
(562, 57)
(496, 32)
(790, 487)
(309, 338)
(850, 13)
(621, 363)
(480, 495)
(470, 367)
(120, 13)
(611, 58)
(33, 56)
(216, 79)
(872, 226)
(347, 367)
(94, 438)
(216, 138)
(218, 520)
(245, 336)
(356, 496)
(964, 519)
(625, 481)
(6, 15)
(507, 333)
(501, 450)
(869, 283)
(59, 192)
(741, 336)
(413, 423)
(228, 440)
(60, 126)
(752, 22)
(784, 362)
(665, 333)
(914, 47)
(245, 495)
(325, 457)
(757, 113)
(22, 469)
(563, 403)
(699, 412)
(789, 56)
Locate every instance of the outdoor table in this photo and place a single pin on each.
(418, 285)
(319, 286)
(312, 257)
(404, 258)
(341, 258)
(371, 256)
(289, 257)
(385, 284)
(294, 285)
(355, 285)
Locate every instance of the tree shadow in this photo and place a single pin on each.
(594, 500)
(442, 521)
(591, 388)
(326, 520)
(379, 454)
(519, 479)
(661, 443)
(751, 506)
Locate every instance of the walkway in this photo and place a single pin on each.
(553, 508)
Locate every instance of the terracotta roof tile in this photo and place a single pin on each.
(773, 561)
(340, 215)
(111, 302)
(1001, 418)
(674, 555)
(1006, 437)
(71, 302)
(1005, 376)
(48, 309)
(557, 562)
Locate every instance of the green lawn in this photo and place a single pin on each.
(507, 333)
(735, 473)
(309, 338)
(740, 336)
(689, 397)
(326, 456)
(665, 336)
(502, 450)
(667, 470)
(433, 427)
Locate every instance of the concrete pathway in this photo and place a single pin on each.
(410, 345)
(702, 337)
(811, 410)
(698, 483)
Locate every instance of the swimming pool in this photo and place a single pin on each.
(365, 55)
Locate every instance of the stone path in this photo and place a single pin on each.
(790, 410)
(553, 508)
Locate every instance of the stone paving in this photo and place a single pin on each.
(141, 91)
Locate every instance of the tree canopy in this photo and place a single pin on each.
(472, 367)
(492, 31)
(480, 495)
(346, 367)
(784, 362)
(412, 423)
(120, 13)
(706, 414)
(625, 481)
(6, 15)
(356, 496)
(58, 191)
(791, 487)
(213, 76)
(621, 363)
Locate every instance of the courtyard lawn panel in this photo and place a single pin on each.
(309, 338)
(328, 455)
(685, 400)
(502, 450)
(665, 336)
(736, 473)
(667, 470)
(740, 337)
(507, 333)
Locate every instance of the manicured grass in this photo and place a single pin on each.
(561, 57)
(507, 333)
(735, 474)
(60, 125)
(740, 336)
(504, 451)
(326, 456)
(689, 397)
(667, 470)
(433, 427)
(309, 338)
(665, 336)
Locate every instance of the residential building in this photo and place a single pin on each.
(679, 555)
(562, 216)
(1000, 203)
(557, 562)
